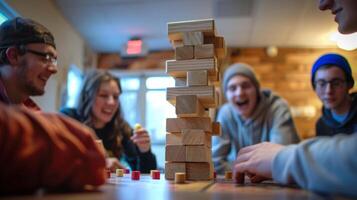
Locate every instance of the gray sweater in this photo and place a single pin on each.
(322, 164)
(271, 121)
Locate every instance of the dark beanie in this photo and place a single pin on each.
(21, 31)
(336, 60)
(240, 69)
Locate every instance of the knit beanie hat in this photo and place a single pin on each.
(332, 59)
(240, 69)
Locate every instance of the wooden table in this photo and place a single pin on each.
(149, 189)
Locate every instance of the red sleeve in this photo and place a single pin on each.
(48, 151)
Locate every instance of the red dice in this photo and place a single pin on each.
(155, 174)
(135, 175)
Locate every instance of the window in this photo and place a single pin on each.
(74, 80)
(143, 101)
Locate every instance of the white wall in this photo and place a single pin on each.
(70, 45)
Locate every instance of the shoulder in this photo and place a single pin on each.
(276, 103)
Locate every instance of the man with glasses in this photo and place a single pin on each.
(322, 164)
(28, 58)
(332, 79)
(39, 150)
(251, 116)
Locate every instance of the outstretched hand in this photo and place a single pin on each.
(256, 161)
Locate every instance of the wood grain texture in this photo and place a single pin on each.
(197, 78)
(193, 38)
(184, 53)
(175, 125)
(205, 94)
(196, 137)
(175, 29)
(199, 171)
(204, 51)
(172, 167)
(189, 106)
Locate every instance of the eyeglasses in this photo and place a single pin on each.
(334, 83)
(50, 59)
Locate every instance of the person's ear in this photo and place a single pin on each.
(12, 55)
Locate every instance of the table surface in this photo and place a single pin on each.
(150, 189)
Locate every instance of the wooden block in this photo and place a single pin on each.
(175, 29)
(199, 171)
(178, 68)
(197, 78)
(192, 38)
(180, 177)
(180, 82)
(198, 154)
(204, 51)
(196, 137)
(216, 128)
(175, 153)
(175, 125)
(205, 94)
(184, 53)
(189, 106)
(172, 167)
(220, 49)
(176, 43)
(228, 175)
(119, 172)
(239, 178)
(174, 139)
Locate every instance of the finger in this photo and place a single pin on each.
(248, 149)
(241, 167)
(244, 157)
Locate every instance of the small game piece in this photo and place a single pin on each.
(180, 177)
(137, 126)
(135, 175)
(239, 178)
(120, 172)
(228, 175)
(155, 174)
(126, 171)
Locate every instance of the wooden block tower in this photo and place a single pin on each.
(188, 140)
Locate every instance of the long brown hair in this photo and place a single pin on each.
(91, 85)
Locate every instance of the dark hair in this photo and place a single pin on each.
(120, 127)
(3, 56)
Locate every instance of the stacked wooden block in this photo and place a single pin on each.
(195, 69)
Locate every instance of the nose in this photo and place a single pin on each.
(238, 91)
(325, 4)
(328, 88)
(52, 68)
(111, 100)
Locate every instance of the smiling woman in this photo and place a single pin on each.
(99, 108)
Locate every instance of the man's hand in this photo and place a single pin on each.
(256, 160)
(113, 163)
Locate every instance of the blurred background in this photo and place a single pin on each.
(279, 38)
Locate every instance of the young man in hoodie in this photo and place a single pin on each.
(251, 116)
(321, 164)
(331, 78)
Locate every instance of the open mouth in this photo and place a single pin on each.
(242, 103)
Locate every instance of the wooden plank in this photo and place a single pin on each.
(175, 29)
(174, 139)
(193, 38)
(189, 106)
(172, 167)
(216, 129)
(180, 81)
(198, 154)
(178, 68)
(220, 49)
(184, 53)
(197, 78)
(196, 137)
(175, 125)
(175, 153)
(204, 51)
(199, 171)
(205, 94)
